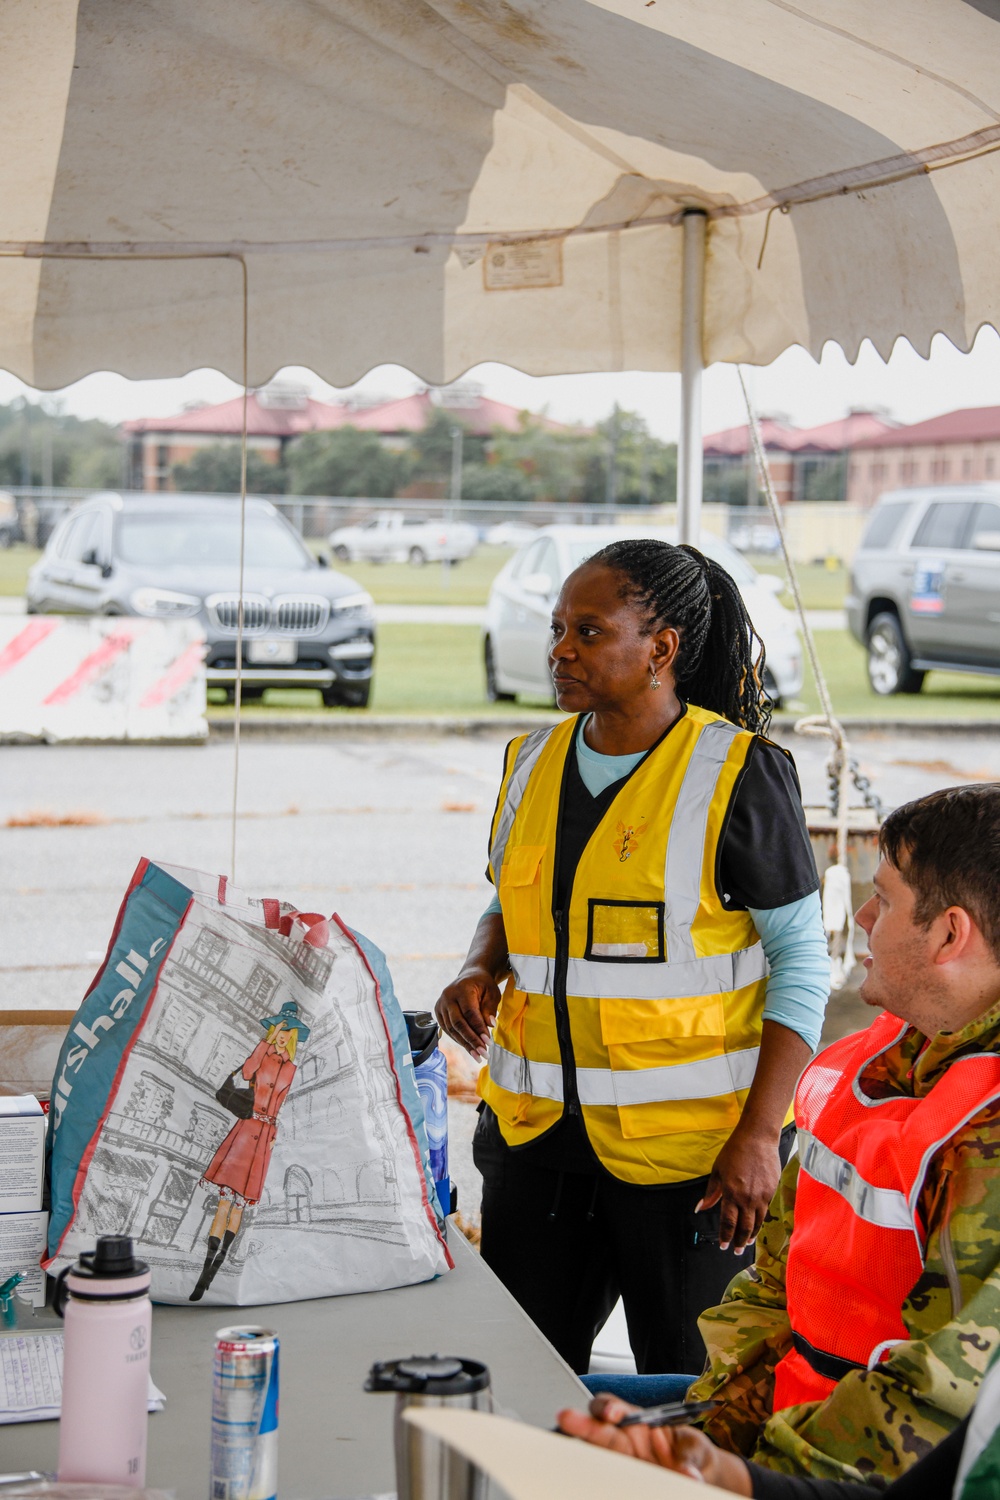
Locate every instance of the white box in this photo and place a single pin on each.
(22, 1244)
(22, 1154)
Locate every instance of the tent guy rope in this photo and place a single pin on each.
(838, 913)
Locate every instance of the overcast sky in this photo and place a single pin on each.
(795, 385)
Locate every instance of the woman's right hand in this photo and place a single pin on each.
(467, 1008)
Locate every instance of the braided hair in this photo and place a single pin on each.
(720, 661)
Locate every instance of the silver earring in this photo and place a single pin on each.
(656, 681)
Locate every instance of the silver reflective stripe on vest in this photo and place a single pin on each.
(524, 764)
(883, 1206)
(595, 1086)
(606, 980)
(686, 842)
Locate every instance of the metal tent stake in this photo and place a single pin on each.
(689, 449)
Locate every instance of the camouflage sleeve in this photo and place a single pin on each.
(748, 1333)
(882, 1421)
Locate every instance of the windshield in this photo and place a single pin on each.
(161, 538)
(579, 549)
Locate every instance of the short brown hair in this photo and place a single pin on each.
(947, 849)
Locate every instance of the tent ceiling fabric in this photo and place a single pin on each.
(439, 182)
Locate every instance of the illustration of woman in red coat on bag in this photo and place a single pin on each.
(239, 1167)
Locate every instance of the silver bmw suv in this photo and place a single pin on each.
(925, 585)
(177, 557)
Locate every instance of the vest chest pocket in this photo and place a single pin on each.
(625, 931)
(520, 896)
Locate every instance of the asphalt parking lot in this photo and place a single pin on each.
(389, 831)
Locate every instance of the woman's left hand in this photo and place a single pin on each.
(685, 1450)
(744, 1177)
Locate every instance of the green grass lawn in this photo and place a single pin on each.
(467, 582)
(821, 587)
(946, 695)
(14, 564)
(437, 669)
(419, 669)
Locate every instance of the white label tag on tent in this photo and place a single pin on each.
(508, 268)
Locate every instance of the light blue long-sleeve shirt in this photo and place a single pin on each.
(792, 936)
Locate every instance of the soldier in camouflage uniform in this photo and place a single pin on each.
(880, 1421)
(883, 1420)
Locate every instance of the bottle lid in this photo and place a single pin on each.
(423, 1033)
(429, 1375)
(113, 1258)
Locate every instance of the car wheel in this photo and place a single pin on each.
(417, 557)
(493, 692)
(889, 669)
(342, 553)
(356, 696)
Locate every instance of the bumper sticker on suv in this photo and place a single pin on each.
(927, 597)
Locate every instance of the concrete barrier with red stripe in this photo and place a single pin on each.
(121, 678)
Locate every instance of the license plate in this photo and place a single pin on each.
(272, 653)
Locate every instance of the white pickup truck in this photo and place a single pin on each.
(395, 538)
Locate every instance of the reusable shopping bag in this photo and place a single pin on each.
(236, 1093)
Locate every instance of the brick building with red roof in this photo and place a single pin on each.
(961, 447)
(281, 412)
(797, 457)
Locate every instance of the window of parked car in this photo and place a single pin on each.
(885, 525)
(161, 538)
(82, 535)
(985, 524)
(527, 561)
(944, 524)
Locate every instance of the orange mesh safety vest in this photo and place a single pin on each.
(858, 1244)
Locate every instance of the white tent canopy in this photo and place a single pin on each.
(440, 182)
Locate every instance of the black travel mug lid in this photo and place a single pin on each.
(422, 1033)
(429, 1375)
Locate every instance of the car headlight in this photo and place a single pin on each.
(352, 605)
(164, 604)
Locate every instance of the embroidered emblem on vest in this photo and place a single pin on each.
(628, 836)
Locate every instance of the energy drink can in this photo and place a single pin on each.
(245, 1414)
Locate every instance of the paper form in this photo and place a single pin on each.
(31, 1378)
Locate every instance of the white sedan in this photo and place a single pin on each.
(519, 609)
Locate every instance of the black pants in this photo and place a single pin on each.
(566, 1245)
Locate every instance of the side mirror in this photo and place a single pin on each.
(987, 541)
(89, 559)
(107, 570)
(322, 560)
(539, 584)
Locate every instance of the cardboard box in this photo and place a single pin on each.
(22, 1154)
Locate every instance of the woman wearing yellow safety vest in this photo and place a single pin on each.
(652, 865)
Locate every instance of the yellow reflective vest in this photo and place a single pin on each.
(659, 987)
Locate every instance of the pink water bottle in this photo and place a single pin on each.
(104, 1299)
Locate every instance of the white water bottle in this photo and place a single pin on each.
(104, 1299)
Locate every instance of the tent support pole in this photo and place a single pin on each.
(689, 449)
